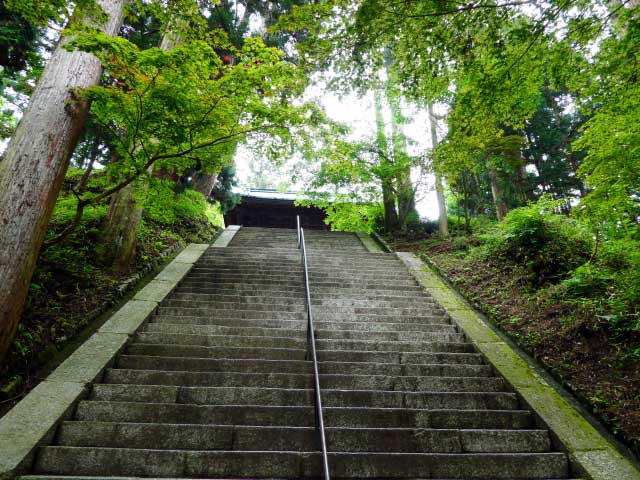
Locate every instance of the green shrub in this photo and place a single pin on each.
(549, 245)
(162, 205)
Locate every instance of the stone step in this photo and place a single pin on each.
(198, 287)
(217, 352)
(213, 305)
(172, 436)
(284, 464)
(304, 381)
(349, 356)
(294, 304)
(286, 297)
(108, 411)
(233, 313)
(296, 269)
(147, 362)
(286, 342)
(304, 397)
(221, 340)
(319, 315)
(328, 315)
(435, 323)
(230, 265)
(446, 334)
(296, 312)
(314, 277)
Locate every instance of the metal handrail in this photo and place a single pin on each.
(311, 345)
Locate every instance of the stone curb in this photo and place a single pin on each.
(33, 421)
(226, 236)
(384, 245)
(592, 456)
(369, 243)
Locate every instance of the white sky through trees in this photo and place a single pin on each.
(358, 113)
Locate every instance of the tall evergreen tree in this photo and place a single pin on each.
(35, 162)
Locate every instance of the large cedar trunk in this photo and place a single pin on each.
(496, 192)
(443, 222)
(121, 229)
(406, 195)
(204, 183)
(388, 197)
(34, 165)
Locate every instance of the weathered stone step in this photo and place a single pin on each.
(314, 277)
(217, 352)
(446, 334)
(304, 397)
(188, 306)
(435, 323)
(295, 266)
(349, 356)
(331, 344)
(328, 315)
(320, 316)
(189, 286)
(147, 362)
(241, 288)
(296, 297)
(233, 268)
(221, 340)
(199, 464)
(286, 342)
(304, 381)
(106, 411)
(293, 304)
(171, 436)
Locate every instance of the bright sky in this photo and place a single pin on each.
(359, 114)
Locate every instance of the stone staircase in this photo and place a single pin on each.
(216, 385)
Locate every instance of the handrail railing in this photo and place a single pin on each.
(311, 345)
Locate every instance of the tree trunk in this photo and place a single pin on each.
(121, 229)
(496, 192)
(406, 195)
(388, 198)
(443, 222)
(34, 166)
(204, 183)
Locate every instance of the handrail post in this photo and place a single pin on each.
(311, 345)
(298, 228)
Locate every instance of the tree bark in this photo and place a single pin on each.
(388, 198)
(33, 167)
(443, 222)
(405, 194)
(121, 229)
(496, 193)
(204, 183)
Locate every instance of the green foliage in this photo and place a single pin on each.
(162, 205)
(353, 217)
(612, 279)
(611, 137)
(65, 210)
(548, 244)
